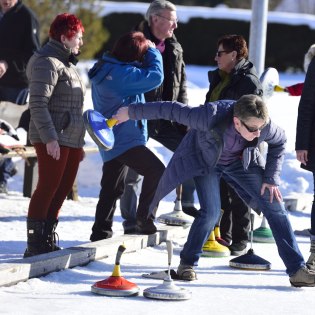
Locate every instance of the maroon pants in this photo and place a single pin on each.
(55, 181)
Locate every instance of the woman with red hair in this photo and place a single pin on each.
(56, 128)
(133, 67)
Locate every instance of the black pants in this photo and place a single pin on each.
(235, 221)
(170, 136)
(166, 133)
(143, 161)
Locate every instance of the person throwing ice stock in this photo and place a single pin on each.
(223, 141)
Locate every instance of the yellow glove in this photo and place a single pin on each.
(278, 88)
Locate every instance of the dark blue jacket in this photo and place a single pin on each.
(305, 131)
(116, 84)
(200, 150)
(19, 39)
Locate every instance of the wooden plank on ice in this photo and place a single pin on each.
(23, 269)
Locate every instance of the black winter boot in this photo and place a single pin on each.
(145, 226)
(36, 238)
(52, 236)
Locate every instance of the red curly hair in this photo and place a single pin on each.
(65, 24)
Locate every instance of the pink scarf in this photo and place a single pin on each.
(161, 46)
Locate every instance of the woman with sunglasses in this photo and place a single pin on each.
(205, 155)
(234, 77)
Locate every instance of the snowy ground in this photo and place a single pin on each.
(219, 288)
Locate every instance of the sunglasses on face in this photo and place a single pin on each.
(220, 52)
(252, 129)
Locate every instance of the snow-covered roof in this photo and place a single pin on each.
(185, 13)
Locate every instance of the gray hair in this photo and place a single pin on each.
(249, 106)
(156, 7)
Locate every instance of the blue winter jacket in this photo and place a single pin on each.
(116, 84)
(200, 150)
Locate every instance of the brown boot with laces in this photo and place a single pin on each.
(186, 272)
(303, 278)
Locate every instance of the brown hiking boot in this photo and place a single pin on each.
(303, 278)
(186, 272)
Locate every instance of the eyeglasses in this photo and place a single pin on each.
(168, 19)
(253, 129)
(220, 52)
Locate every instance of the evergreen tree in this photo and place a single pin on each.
(95, 34)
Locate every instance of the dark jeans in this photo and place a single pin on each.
(6, 168)
(129, 198)
(169, 136)
(248, 185)
(144, 162)
(235, 221)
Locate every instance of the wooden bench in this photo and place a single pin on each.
(31, 170)
(30, 152)
(12, 113)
